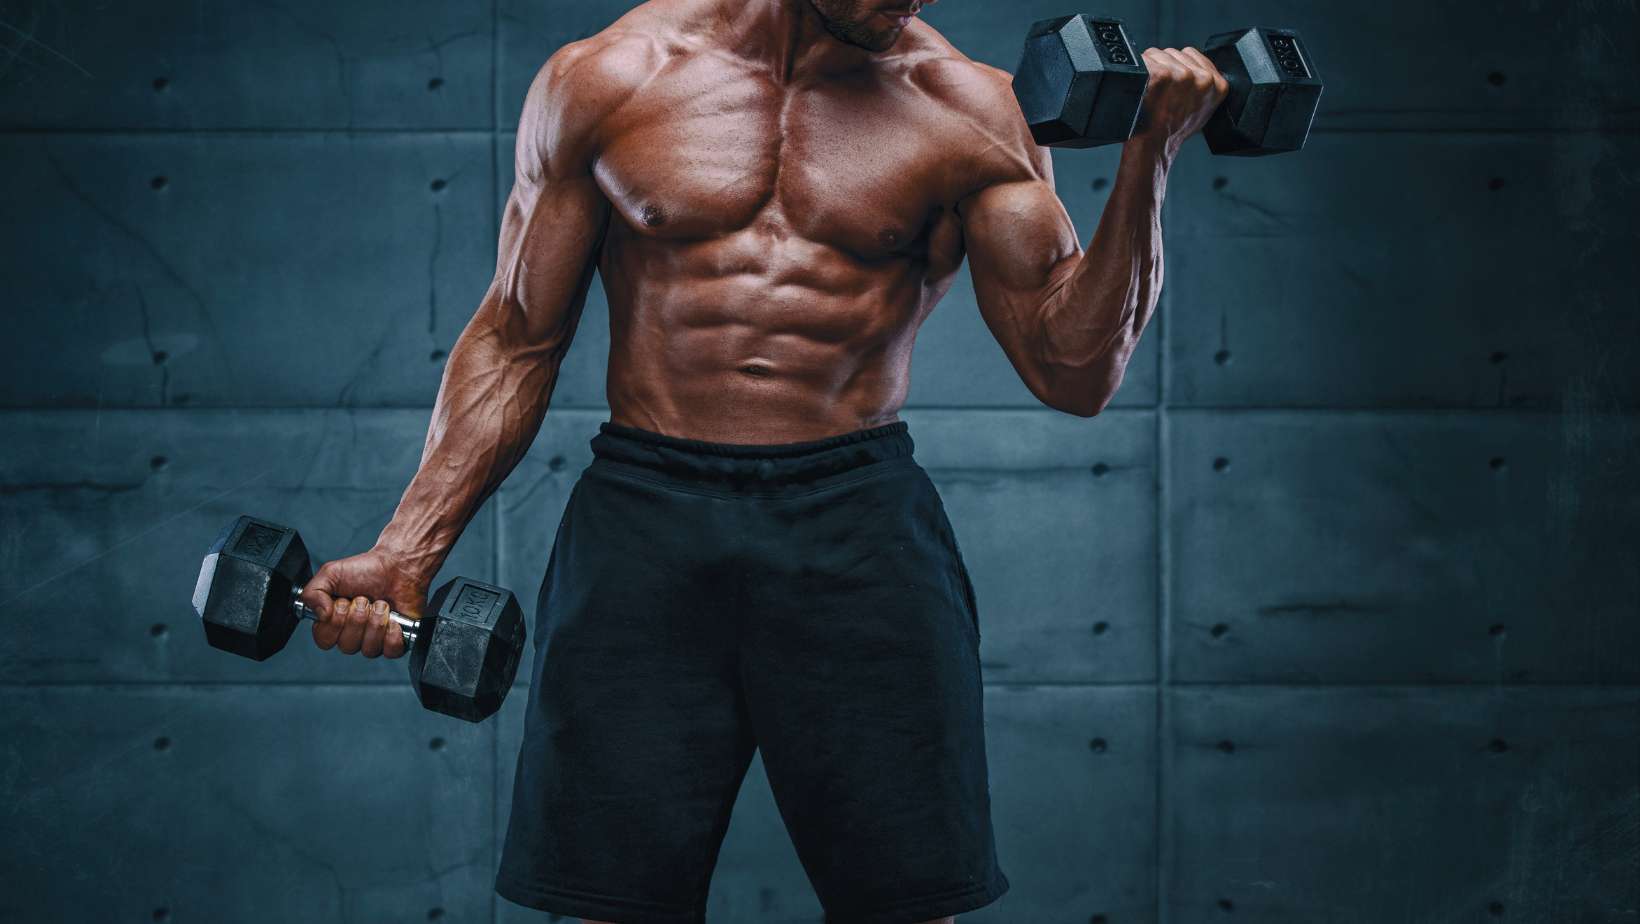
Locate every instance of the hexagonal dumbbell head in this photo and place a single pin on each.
(1274, 92)
(243, 595)
(1079, 82)
(467, 649)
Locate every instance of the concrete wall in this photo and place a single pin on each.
(1332, 617)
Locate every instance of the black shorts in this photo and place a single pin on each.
(703, 600)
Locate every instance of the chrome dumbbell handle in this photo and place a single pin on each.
(406, 625)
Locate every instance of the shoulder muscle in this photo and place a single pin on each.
(979, 99)
(571, 96)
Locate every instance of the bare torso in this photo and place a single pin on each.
(775, 242)
(774, 214)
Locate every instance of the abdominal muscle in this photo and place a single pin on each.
(731, 340)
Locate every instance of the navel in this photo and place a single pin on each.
(758, 370)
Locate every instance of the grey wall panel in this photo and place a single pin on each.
(265, 271)
(1404, 548)
(1407, 270)
(106, 516)
(1289, 805)
(248, 804)
(1073, 801)
(1413, 64)
(245, 64)
(1055, 516)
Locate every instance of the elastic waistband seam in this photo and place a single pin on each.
(750, 450)
(626, 470)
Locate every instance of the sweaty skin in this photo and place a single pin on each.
(776, 193)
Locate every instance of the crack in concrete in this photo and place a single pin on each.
(343, 62)
(130, 539)
(343, 396)
(160, 359)
(1260, 210)
(28, 38)
(147, 246)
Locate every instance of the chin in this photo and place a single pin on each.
(879, 41)
(861, 35)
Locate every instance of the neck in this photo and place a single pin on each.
(787, 35)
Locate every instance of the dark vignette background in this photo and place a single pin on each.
(1332, 617)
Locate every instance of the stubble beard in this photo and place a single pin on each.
(848, 26)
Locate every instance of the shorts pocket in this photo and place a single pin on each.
(948, 536)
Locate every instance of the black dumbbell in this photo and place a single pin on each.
(1080, 84)
(464, 651)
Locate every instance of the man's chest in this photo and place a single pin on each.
(860, 168)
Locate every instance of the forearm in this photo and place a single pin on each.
(490, 406)
(1092, 322)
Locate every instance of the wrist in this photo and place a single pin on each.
(1147, 149)
(415, 555)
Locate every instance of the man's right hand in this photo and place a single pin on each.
(353, 596)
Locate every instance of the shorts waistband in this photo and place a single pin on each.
(751, 465)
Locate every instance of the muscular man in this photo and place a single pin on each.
(776, 193)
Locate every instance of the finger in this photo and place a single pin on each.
(358, 617)
(1220, 84)
(1170, 65)
(376, 632)
(1178, 58)
(316, 593)
(393, 645)
(324, 634)
(335, 624)
(1202, 70)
